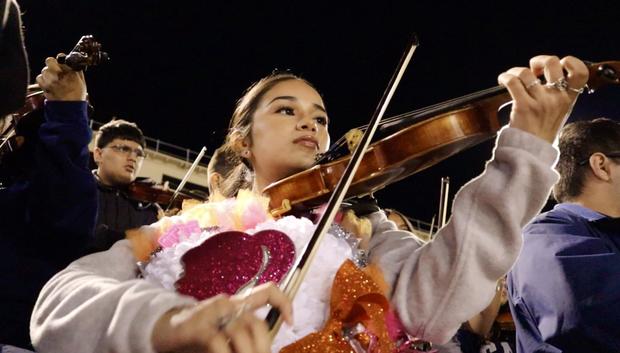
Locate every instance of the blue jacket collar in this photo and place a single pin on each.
(580, 211)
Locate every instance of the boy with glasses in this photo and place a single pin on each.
(119, 153)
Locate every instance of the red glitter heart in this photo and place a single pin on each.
(228, 260)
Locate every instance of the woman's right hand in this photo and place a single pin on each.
(361, 227)
(221, 324)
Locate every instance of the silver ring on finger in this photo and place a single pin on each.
(532, 84)
(560, 84)
(578, 90)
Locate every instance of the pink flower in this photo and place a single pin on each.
(177, 232)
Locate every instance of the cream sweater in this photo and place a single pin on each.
(97, 304)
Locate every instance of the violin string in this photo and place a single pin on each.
(451, 103)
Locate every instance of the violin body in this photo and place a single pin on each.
(403, 153)
(505, 321)
(148, 191)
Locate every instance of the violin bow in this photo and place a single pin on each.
(295, 277)
(443, 200)
(186, 177)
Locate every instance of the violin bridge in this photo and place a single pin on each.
(353, 138)
(284, 208)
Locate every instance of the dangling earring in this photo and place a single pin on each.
(246, 153)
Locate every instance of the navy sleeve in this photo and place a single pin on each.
(567, 279)
(64, 196)
(47, 216)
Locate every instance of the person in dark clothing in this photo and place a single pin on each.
(119, 153)
(14, 73)
(565, 287)
(48, 215)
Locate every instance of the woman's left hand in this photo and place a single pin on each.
(144, 240)
(360, 227)
(542, 109)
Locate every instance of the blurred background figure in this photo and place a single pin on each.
(14, 74)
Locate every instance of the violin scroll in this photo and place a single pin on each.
(603, 73)
(87, 52)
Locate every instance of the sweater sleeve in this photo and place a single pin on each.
(98, 305)
(438, 286)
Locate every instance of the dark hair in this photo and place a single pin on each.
(119, 129)
(578, 141)
(241, 175)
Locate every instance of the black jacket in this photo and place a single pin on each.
(117, 213)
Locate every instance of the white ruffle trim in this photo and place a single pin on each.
(311, 305)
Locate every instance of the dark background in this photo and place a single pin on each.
(178, 67)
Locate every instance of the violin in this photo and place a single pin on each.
(87, 52)
(505, 321)
(148, 191)
(33, 102)
(409, 143)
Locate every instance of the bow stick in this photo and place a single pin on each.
(297, 273)
(186, 177)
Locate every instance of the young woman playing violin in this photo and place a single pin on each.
(277, 129)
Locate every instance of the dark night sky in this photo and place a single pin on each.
(178, 67)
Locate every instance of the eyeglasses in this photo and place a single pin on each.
(127, 151)
(609, 155)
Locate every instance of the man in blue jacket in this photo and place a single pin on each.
(47, 217)
(565, 287)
